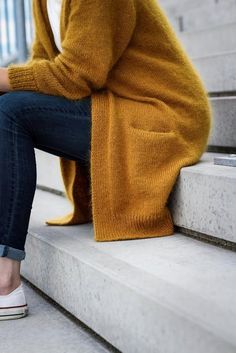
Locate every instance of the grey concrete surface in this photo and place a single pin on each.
(169, 294)
(197, 15)
(203, 17)
(213, 40)
(218, 71)
(204, 198)
(186, 5)
(48, 170)
(47, 330)
(224, 122)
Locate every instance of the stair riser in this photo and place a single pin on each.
(48, 170)
(98, 295)
(183, 6)
(205, 203)
(224, 122)
(213, 41)
(188, 17)
(218, 72)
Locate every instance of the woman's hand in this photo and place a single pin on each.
(4, 80)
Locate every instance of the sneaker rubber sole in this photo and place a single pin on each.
(15, 312)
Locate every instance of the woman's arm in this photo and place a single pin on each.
(4, 80)
(98, 32)
(37, 52)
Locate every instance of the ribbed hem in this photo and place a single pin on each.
(21, 77)
(134, 227)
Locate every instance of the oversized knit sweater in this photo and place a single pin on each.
(150, 110)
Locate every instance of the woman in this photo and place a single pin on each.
(114, 73)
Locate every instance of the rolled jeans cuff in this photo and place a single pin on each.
(12, 253)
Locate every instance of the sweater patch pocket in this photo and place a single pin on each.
(152, 167)
(150, 150)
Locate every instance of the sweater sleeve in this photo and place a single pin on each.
(37, 51)
(97, 34)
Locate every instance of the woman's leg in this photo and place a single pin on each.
(31, 120)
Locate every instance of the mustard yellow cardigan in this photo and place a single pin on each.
(150, 110)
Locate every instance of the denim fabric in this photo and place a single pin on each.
(29, 120)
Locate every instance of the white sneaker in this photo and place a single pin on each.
(13, 305)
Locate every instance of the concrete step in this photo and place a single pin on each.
(48, 329)
(186, 5)
(203, 199)
(190, 15)
(209, 41)
(169, 294)
(48, 171)
(218, 71)
(222, 13)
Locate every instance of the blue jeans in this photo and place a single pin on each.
(29, 120)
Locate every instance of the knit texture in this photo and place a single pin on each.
(151, 114)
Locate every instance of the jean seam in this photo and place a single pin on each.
(11, 198)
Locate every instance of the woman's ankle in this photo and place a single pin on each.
(7, 289)
(9, 275)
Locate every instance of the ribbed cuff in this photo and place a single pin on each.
(21, 77)
(12, 253)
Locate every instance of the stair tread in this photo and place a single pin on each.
(206, 166)
(194, 280)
